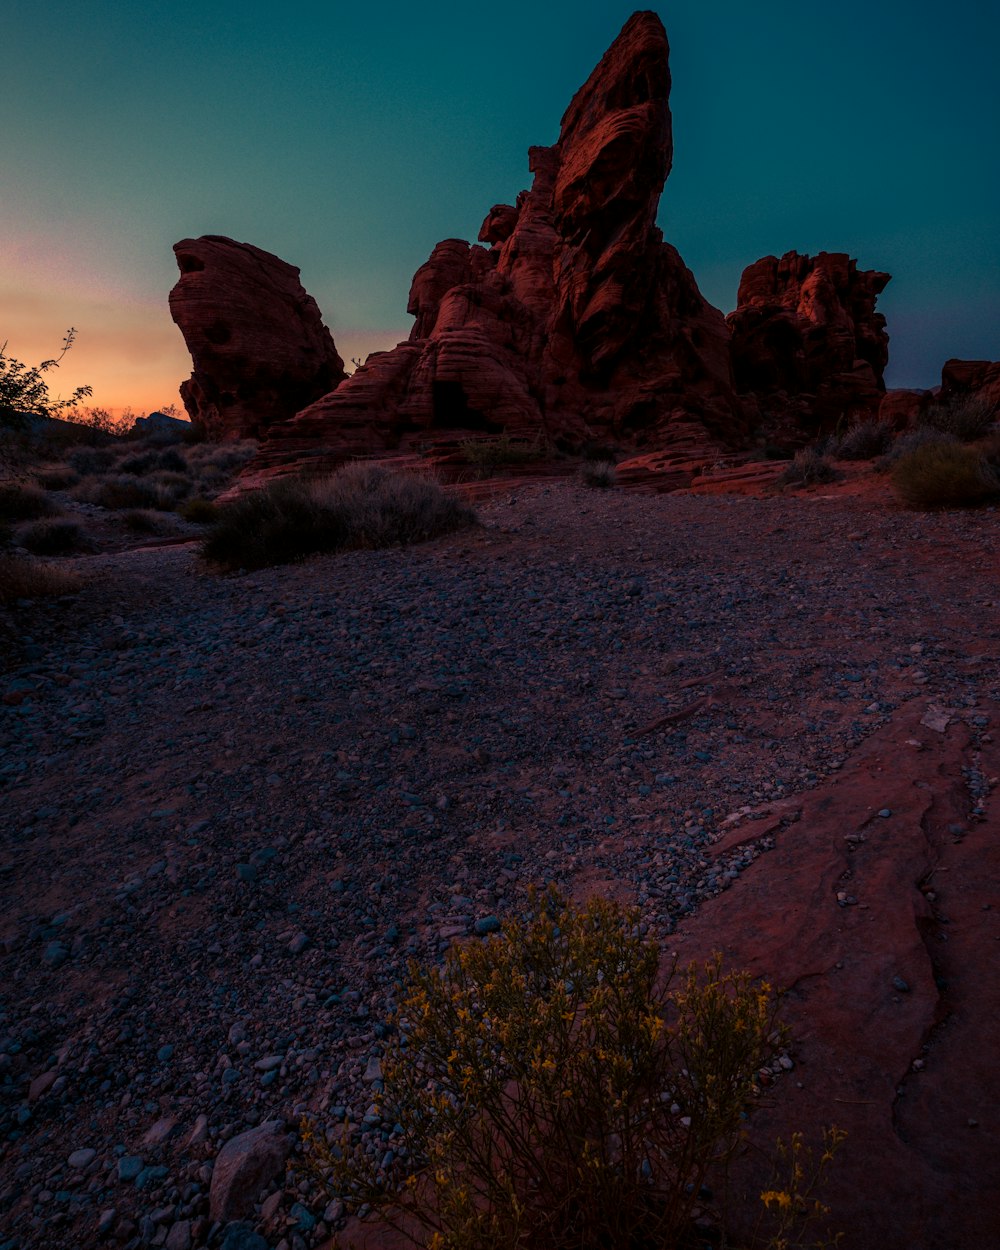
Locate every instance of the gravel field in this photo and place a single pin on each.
(232, 808)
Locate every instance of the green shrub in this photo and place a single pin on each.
(554, 1090)
(23, 578)
(864, 440)
(53, 537)
(199, 511)
(489, 454)
(967, 419)
(358, 506)
(24, 503)
(808, 468)
(944, 475)
(599, 473)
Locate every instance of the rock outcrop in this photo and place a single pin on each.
(576, 322)
(257, 340)
(808, 345)
(971, 379)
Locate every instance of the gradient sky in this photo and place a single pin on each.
(350, 138)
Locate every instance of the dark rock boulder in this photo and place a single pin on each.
(257, 340)
(808, 345)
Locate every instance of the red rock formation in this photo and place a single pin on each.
(876, 913)
(971, 379)
(257, 340)
(807, 341)
(577, 323)
(904, 408)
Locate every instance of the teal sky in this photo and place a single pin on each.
(349, 139)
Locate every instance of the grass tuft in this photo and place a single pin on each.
(808, 468)
(599, 473)
(864, 440)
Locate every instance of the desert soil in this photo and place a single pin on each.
(232, 808)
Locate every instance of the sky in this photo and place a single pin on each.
(349, 138)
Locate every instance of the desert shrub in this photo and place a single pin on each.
(118, 492)
(358, 506)
(24, 503)
(553, 1089)
(24, 578)
(966, 419)
(57, 536)
(599, 473)
(91, 460)
(144, 521)
(809, 467)
(220, 457)
(944, 475)
(172, 460)
(489, 454)
(272, 526)
(909, 442)
(199, 511)
(790, 1202)
(171, 487)
(864, 440)
(56, 476)
(138, 463)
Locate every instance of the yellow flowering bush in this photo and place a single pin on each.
(793, 1206)
(555, 1089)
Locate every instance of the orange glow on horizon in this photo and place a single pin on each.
(132, 355)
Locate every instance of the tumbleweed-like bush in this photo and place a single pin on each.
(554, 1089)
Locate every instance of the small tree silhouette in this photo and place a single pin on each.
(24, 391)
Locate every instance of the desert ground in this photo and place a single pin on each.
(233, 807)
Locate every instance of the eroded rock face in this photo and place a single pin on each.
(807, 342)
(577, 322)
(257, 340)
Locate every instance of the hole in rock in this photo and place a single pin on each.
(452, 411)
